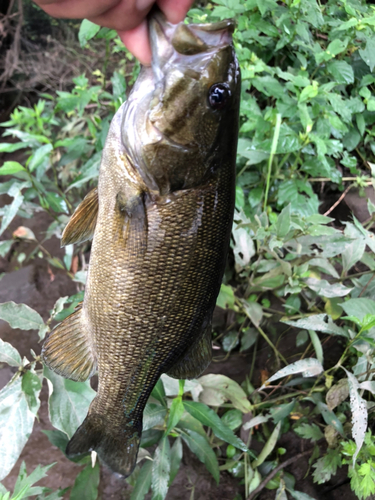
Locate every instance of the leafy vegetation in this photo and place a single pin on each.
(307, 128)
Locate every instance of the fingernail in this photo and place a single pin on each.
(144, 4)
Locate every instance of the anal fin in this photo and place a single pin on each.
(196, 359)
(67, 350)
(82, 223)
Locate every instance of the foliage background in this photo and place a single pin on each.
(306, 140)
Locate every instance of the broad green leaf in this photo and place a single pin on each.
(87, 30)
(268, 447)
(39, 155)
(68, 402)
(316, 322)
(279, 412)
(359, 307)
(20, 316)
(358, 408)
(9, 354)
(153, 415)
(330, 417)
(226, 297)
(191, 423)
(317, 345)
(368, 53)
(11, 167)
(16, 424)
(352, 254)
(301, 338)
(232, 419)
(159, 393)
(175, 413)
(325, 289)
(10, 211)
(298, 495)
(8, 147)
(260, 419)
(172, 385)
(341, 71)
(86, 484)
(58, 439)
(243, 247)
(217, 389)
(176, 457)
(201, 447)
(283, 222)
(253, 311)
(31, 386)
(161, 468)
(143, 483)
(208, 417)
(309, 367)
(5, 247)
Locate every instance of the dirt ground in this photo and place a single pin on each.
(39, 286)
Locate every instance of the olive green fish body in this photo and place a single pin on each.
(161, 220)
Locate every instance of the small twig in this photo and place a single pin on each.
(339, 200)
(365, 287)
(272, 474)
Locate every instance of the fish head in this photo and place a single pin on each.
(181, 117)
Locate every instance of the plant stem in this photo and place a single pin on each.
(277, 353)
(272, 154)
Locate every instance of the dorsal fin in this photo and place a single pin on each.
(82, 223)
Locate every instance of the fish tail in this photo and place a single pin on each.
(117, 448)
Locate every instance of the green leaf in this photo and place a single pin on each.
(7, 147)
(24, 484)
(68, 402)
(337, 394)
(10, 211)
(143, 483)
(232, 419)
(268, 447)
(11, 167)
(87, 31)
(58, 439)
(298, 495)
(176, 457)
(358, 307)
(317, 345)
(20, 316)
(316, 322)
(161, 470)
(283, 222)
(253, 311)
(307, 431)
(217, 389)
(31, 386)
(325, 289)
(153, 415)
(208, 417)
(201, 447)
(86, 484)
(226, 297)
(118, 86)
(5, 247)
(309, 367)
(368, 53)
(279, 412)
(341, 71)
(330, 418)
(326, 467)
(16, 424)
(159, 393)
(39, 155)
(9, 354)
(175, 413)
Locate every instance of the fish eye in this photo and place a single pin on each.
(218, 96)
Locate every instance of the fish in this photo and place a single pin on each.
(160, 221)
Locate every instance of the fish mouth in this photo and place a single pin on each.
(171, 41)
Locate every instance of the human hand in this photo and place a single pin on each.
(127, 17)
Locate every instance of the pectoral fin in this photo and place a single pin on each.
(196, 359)
(67, 350)
(133, 222)
(82, 224)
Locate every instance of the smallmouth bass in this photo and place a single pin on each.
(160, 220)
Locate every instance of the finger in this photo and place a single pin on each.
(175, 10)
(76, 9)
(137, 42)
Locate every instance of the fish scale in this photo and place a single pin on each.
(160, 221)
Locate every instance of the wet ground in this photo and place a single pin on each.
(39, 285)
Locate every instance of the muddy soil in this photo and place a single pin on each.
(39, 285)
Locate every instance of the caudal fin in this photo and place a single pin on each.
(117, 448)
